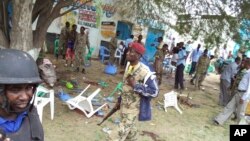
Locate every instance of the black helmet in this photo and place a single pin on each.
(17, 67)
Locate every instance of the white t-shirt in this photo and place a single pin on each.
(174, 57)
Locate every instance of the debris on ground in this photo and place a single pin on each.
(185, 100)
(152, 135)
(106, 130)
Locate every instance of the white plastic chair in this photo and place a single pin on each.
(170, 100)
(118, 55)
(41, 101)
(84, 103)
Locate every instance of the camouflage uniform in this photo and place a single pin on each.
(158, 64)
(80, 49)
(235, 83)
(63, 41)
(130, 104)
(112, 48)
(201, 70)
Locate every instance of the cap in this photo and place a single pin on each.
(139, 48)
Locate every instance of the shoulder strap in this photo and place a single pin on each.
(37, 133)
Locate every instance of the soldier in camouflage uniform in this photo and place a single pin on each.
(139, 87)
(112, 48)
(238, 76)
(201, 69)
(158, 64)
(81, 43)
(63, 40)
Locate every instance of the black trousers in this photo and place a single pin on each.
(179, 74)
(193, 67)
(123, 61)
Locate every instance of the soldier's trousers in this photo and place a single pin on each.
(80, 58)
(199, 77)
(112, 56)
(62, 47)
(126, 131)
(159, 71)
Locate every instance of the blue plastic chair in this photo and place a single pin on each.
(104, 52)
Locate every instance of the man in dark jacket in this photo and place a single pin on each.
(19, 78)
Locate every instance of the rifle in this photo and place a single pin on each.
(113, 110)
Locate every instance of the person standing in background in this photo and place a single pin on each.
(81, 43)
(188, 47)
(181, 61)
(63, 40)
(224, 53)
(127, 43)
(158, 64)
(227, 75)
(70, 55)
(201, 69)
(112, 47)
(140, 40)
(194, 57)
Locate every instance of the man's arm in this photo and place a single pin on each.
(88, 41)
(149, 89)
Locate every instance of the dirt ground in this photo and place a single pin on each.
(195, 124)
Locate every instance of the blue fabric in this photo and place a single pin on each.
(11, 126)
(147, 91)
(188, 47)
(110, 69)
(196, 55)
(145, 109)
(71, 44)
(181, 57)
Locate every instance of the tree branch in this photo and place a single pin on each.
(74, 8)
(40, 6)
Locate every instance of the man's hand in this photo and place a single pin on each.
(131, 81)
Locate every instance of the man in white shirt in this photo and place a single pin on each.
(224, 53)
(239, 101)
(194, 57)
(188, 47)
(225, 81)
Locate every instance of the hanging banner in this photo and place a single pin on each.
(108, 29)
(87, 16)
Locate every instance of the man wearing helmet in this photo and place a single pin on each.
(19, 77)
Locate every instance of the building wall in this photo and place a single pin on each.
(91, 17)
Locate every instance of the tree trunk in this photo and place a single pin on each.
(21, 32)
(3, 40)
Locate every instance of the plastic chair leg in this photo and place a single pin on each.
(40, 113)
(178, 109)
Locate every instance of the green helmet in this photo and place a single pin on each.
(17, 67)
